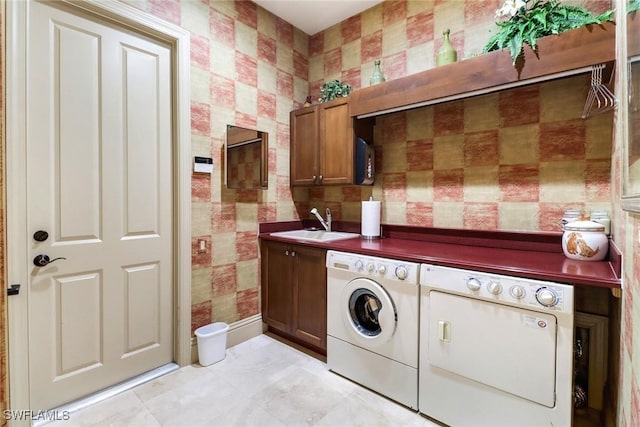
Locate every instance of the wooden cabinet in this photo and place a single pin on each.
(323, 143)
(294, 293)
(304, 162)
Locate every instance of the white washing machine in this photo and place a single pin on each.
(372, 323)
(495, 350)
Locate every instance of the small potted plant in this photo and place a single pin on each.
(529, 20)
(334, 89)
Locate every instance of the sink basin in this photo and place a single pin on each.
(315, 235)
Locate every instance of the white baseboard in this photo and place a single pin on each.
(239, 331)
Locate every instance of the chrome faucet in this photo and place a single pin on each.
(326, 224)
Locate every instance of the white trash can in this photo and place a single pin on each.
(212, 343)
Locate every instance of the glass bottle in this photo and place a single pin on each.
(446, 54)
(602, 217)
(570, 215)
(377, 76)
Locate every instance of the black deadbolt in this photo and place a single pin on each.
(40, 236)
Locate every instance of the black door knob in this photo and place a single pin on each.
(43, 260)
(40, 236)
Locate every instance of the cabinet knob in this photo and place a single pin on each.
(320, 178)
(286, 253)
(293, 253)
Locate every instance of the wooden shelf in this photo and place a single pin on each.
(569, 53)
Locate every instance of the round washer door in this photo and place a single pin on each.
(370, 314)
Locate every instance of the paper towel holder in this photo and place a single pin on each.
(372, 234)
(363, 237)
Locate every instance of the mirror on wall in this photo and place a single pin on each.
(631, 187)
(246, 158)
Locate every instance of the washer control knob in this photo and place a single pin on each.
(474, 284)
(371, 267)
(517, 292)
(359, 265)
(401, 272)
(546, 297)
(495, 288)
(382, 269)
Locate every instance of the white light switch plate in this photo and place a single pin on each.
(203, 164)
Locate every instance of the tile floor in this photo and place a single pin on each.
(261, 382)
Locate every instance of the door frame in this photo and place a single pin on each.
(16, 161)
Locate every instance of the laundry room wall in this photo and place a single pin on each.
(507, 161)
(432, 175)
(624, 366)
(249, 69)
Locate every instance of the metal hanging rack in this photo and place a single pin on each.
(599, 99)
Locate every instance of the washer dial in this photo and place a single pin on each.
(401, 272)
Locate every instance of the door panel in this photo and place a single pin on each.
(141, 81)
(304, 146)
(142, 307)
(75, 132)
(277, 279)
(78, 320)
(310, 296)
(504, 347)
(336, 143)
(99, 180)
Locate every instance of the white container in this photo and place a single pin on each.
(602, 217)
(212, 343)
(585, 241)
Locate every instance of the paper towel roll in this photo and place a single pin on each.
(370, 225)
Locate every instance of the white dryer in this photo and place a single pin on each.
(495, 350)
(372, 323)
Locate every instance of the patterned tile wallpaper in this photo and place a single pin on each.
(248, 67)
(508, 161)
(626, 330)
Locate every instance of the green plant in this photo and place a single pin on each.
(633, 6)
(532, 19)
(334, 89)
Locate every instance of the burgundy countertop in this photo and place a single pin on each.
(531, 255)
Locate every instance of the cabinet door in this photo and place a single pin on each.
(304, 146)
(336, 143)
(310, 296)
(277, 292)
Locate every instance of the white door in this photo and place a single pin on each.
(99, 183)
(508, 348)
